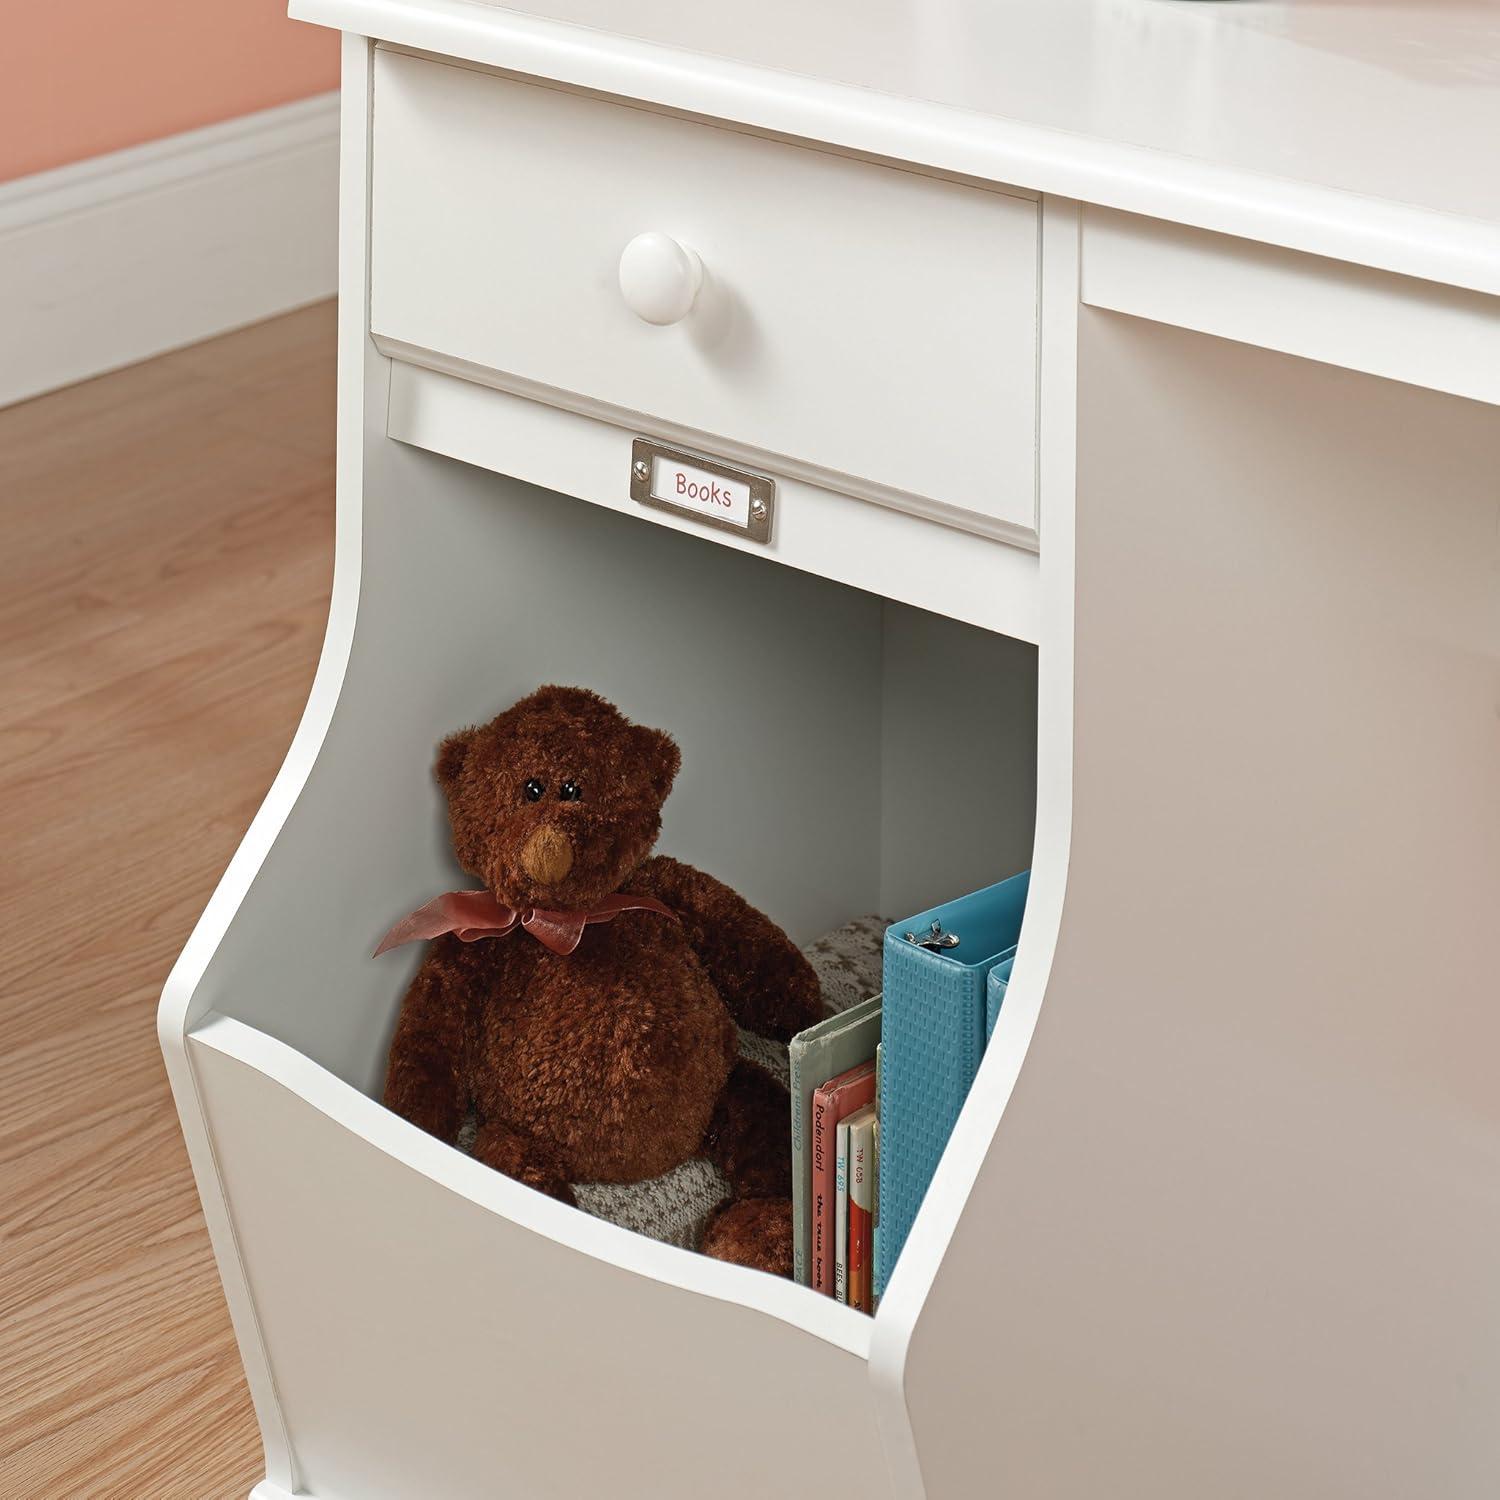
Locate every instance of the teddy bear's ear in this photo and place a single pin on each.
(658, 755)
(452, 754)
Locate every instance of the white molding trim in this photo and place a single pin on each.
(111, 260)
(1445, 338)
(711, 444)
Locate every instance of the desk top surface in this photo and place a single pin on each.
(1395, 99)
(1395, 102)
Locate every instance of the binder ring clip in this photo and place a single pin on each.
(935, 941)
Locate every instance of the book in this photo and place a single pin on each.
(851, 1090)
(833, 1046)
(841, 1217)
(821, 1208)
(859, 1258)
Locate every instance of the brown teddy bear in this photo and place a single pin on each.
(584, 1003)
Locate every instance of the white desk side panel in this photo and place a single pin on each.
(1239, 1229)
(245, 953)
(423, 1346)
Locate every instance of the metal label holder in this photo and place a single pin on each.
(757, 528)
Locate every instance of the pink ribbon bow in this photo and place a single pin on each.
(471, 915)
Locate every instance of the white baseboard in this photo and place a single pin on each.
(112, 260)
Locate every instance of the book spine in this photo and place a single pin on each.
(800, 1236)
(822, 1195)
(851, 1090)
(841, 1216)
(861, 1204)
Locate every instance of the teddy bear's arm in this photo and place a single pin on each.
(425, 1077)
(769, 987)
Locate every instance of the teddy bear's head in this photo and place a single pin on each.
(558, 800)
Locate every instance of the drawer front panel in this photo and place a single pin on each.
(874, 326)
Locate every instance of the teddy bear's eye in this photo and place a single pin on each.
(569, 791)
(533, 791)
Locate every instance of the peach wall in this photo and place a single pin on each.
(78, 77)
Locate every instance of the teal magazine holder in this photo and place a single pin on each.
(933, 1031)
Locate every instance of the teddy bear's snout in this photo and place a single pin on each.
(547, 856)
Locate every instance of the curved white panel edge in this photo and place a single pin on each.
(371, 1121)
(1299, 216)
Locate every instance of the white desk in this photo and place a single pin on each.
(1162, 337)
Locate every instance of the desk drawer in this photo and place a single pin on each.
(866, 327)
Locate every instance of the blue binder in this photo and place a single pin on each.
(995, 988)
(932, 1037)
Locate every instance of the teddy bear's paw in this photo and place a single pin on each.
(754, 1232)
(515, 1154)
(747, 1138)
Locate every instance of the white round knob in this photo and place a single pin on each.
(659, 278)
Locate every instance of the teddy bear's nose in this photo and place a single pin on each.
(547, 856)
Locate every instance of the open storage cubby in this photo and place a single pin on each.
(842, 754)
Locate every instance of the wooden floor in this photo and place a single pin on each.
(164, 575)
